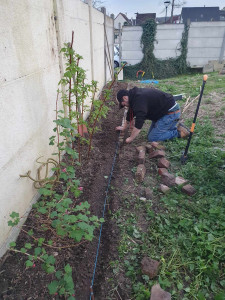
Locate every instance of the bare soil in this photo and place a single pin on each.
(18, 282)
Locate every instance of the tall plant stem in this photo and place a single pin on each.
(57, 126)
(100, 108)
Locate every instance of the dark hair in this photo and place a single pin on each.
(120, 95)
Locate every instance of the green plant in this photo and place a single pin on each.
(153, 67)
(58, 211)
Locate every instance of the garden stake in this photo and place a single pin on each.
(184, 156)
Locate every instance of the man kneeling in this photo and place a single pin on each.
(155, 105)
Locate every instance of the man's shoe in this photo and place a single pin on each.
(183, 130)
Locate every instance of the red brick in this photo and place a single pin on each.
(149, 148)
(149, 267)
(180, 180)
(157, 154)
(141, 154)
(140, 174)
(168, 179)
(163, 171)
(158, 146)
(163, 163)
(164, 188)
(157, 293)
(189, 190)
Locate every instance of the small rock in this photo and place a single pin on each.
(168, 179)
(163, 163)
(141, 154)
(157, 154)
(189, 190)
(163, 171)
(143, 199)
(158, 146)
(149, 267)
(157, 293)
(141, 149)
(149, 148)
(148, 193)
(180, 180)
(164, 188)
(140, 174)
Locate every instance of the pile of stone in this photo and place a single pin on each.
(156, 150)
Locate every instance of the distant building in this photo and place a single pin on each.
(163, 20)
(200, 14)
(142, 18)
(122, 19)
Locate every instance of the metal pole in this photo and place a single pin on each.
(120, 33)
(184, 156)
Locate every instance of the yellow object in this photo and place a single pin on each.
(192, 127)
(205, 77)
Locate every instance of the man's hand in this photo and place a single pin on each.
(129, 140)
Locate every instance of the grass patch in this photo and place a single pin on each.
(186, 234)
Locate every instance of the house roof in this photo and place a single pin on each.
(125, 17)
(142, 18)
(199, 14)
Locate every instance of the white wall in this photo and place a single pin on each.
(119, 19)
(29, 74)
(204, 42)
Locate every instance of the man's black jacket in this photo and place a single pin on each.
(148, 104)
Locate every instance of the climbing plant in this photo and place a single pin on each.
(153, 67)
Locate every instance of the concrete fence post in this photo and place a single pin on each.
(91, 38)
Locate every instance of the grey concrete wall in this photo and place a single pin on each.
(204, 42)
(31, 35)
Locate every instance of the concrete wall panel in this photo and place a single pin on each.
(31, 34)
(205, 41)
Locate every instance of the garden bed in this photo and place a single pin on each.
(185, 234)
(19, 282)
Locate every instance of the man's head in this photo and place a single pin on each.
(122, 97)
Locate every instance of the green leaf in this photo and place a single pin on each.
(37, 251)
(58, 274)
(50, 260)
(14, 215)
(68, 269)
(53, 214)
(12, 244)
(29, 263)
(60, 231)
(50, 269)
(40, 241)
(220, 296)
(180, 286)
(30, 232)
(53, 287)
(77, 235)
(45, 192)
(42, 210)
(28, 246)
(23, 250)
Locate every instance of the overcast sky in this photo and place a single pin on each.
(153, 6)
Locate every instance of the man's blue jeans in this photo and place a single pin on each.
(164, 129)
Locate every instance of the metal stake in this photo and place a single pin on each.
(184, 156)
